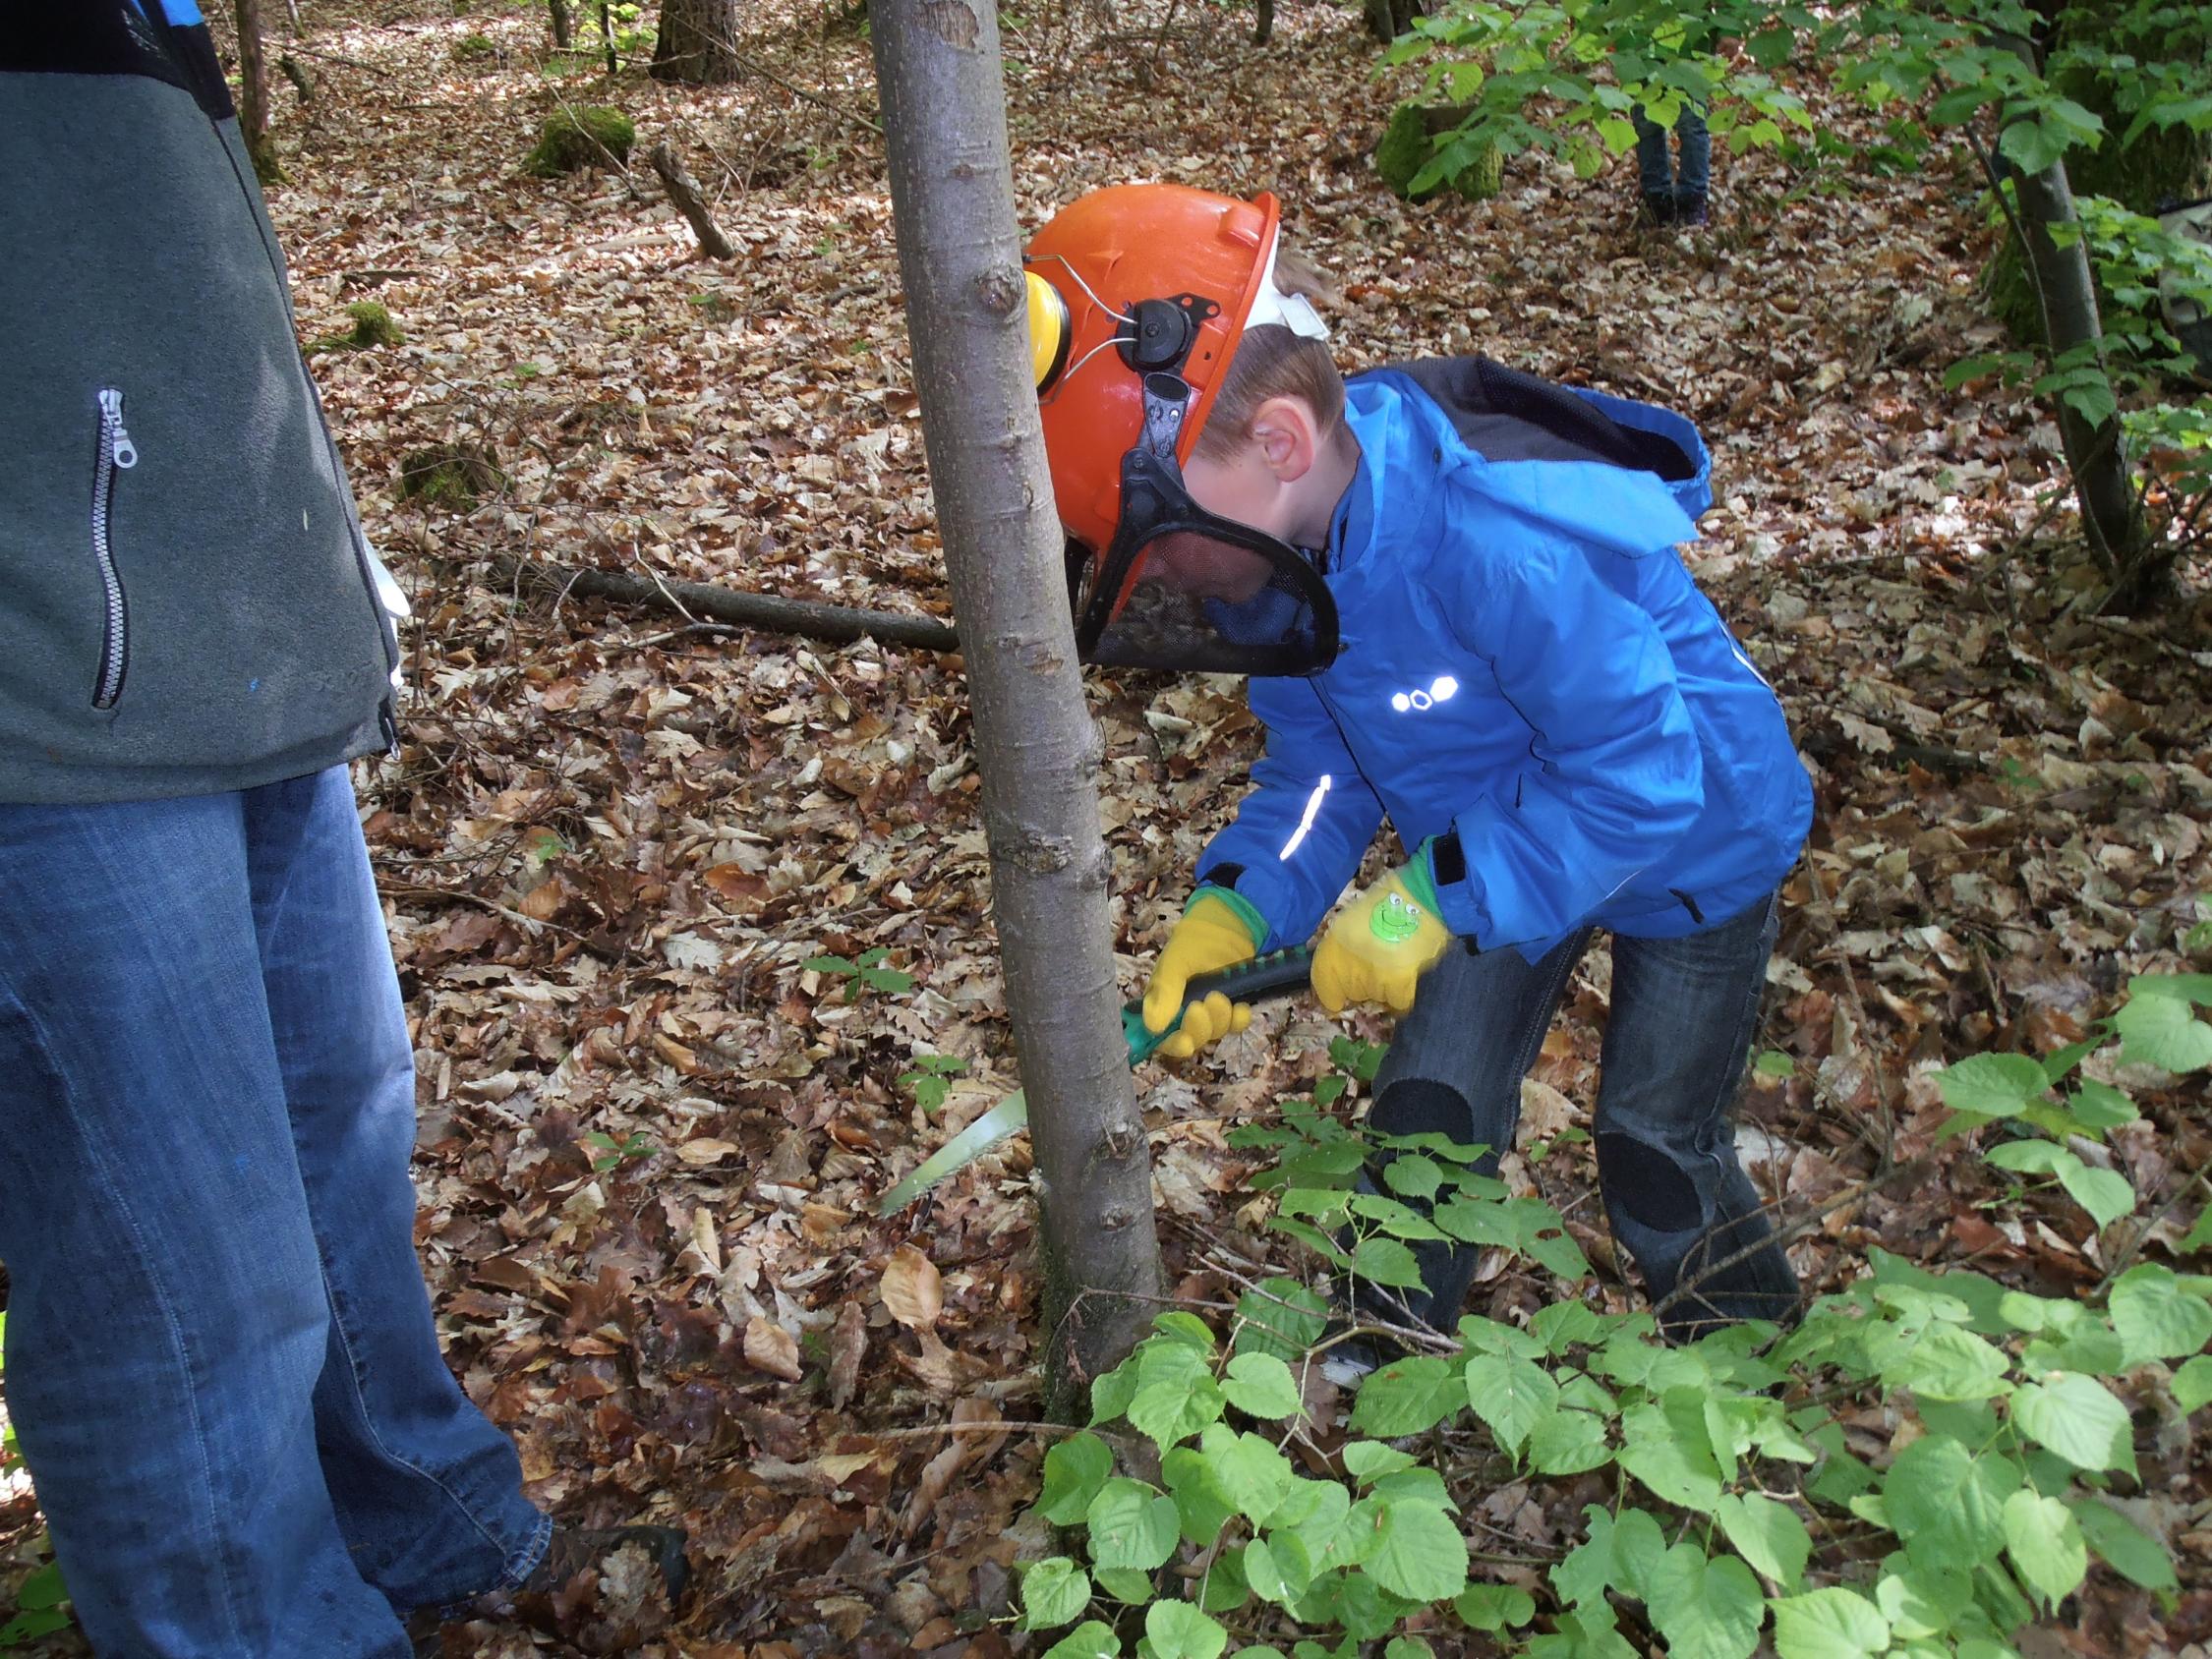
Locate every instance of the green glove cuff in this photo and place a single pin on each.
(1420, 882)
(1242, 907)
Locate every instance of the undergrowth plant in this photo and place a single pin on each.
(1730, 1490)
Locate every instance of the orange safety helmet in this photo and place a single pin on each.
(1138, 297)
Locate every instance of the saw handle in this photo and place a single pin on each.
(1275, 974)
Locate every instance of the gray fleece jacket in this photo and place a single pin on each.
(186, 604)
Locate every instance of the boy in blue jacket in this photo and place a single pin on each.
(1457, 593)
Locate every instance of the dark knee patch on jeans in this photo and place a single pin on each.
(1647, 1183)
(1421, 1105)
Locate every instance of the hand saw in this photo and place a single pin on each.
(1275, 974)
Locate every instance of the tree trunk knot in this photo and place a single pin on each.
(1040, 853)
(952, 22)
(1121, 1138)
(1115, 1217)
(1000, 290)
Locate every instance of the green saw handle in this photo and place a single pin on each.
(1276, 974)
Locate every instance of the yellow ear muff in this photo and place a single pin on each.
(1050, 329)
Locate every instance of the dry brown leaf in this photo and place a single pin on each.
(912, 1291)
(849, 1343)
(705, 1150)
(768, 1348)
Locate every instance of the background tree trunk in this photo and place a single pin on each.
(253, 93)
(557, 10)
(952, 193)
(697, 42)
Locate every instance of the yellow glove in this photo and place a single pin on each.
(1217, 931)
(1382, 943)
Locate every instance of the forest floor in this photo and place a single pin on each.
(651, 1138)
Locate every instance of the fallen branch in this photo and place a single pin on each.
(683, 191)
(769, 612)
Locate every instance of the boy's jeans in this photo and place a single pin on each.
(1675, 1045)
(220, 1357)
(1655, 168)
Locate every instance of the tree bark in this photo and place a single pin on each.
(2096, 451)
(683, 191)
(253, 93)
(562, 29)
(952, 192)
(697, 42)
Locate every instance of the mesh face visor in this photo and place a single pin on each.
(1182, 590)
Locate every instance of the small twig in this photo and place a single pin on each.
(2128, 1251)
(458, 896)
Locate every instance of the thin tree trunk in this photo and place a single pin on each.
(697, 42)
(952, 195)
(253, 93)
(683, 191)
(2096, 451)
(557, 11)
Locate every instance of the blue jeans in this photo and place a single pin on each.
(1676, 1042)
(220, 1357)
(1655, 168)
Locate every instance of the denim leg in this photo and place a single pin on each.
(1655, 167)
(1683, 1014)
(428, 1493)
(1455, 1069)
(167, 1316)
(1694, 142)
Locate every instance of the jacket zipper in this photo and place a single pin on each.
(117, 453)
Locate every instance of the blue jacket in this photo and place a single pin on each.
(1526, 664)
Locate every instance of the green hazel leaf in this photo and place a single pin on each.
(1947, 1363)
(1488, 1336)
(1279, 1316)
(1407, 1397)
(1369, 1460)
(1561, 1326)
(1262, 1386)
(2077, 1418)
(1074, 1469)
(2199, 1233)
(1174, 1411)
(1946, 1504)
(1316, 1514)
(1124, 1584)
(2100, 1105)
(1674, 1468)
(1248, 1470)
(1418, 1552)
(2045, 1544)
(1773, 1062)
(1992, 1085)
(1414, 1175)
(1705, 1609)
(1478, 1221)
(2188, 988)
(1225, 1588)
(2156, 1317)
(1131, 1525)
(1420, 1485)
(2125, 1548)
(1175, 1629)
(1766, 1534)
(1494, 1607)
(2192, 1383)
(1829, 1624)
(1511, 1396)
(1568, 1442)
(1186, 1329)
(1201, 1508)
(1923, 1601)
(1090, 1640)
(1053, 1592)
(2163, 1031)
(1385, 1261)
(2104, 1193)
(1111, 1394)
(1407, 1647)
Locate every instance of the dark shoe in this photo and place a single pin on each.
(1760, 1286)
(1658, 209)
(1690, 210)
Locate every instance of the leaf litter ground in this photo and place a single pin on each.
(651, 1135)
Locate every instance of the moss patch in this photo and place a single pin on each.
(372, 326)
(474, 50)
(449, 475)
(579, 135)
(1409, 141)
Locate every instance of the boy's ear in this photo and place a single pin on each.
(1287, 436)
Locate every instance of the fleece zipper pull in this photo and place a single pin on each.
(121, 450)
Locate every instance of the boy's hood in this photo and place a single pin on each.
(1552, 482)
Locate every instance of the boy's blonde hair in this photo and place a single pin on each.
(1272, 362)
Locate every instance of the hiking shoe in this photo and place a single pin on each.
(1691, 211)
(1658, 209)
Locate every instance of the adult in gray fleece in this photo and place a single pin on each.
(221, 1360)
